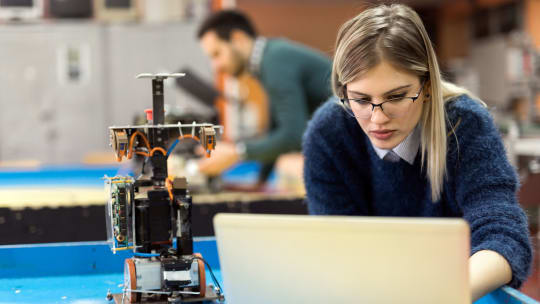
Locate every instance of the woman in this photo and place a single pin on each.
(402, 142)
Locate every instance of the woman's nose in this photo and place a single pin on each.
(378, 116)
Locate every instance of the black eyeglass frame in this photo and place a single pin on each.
(373, 105)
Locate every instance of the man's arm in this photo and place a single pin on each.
(289, 112)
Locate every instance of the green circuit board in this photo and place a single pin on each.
(120, 190)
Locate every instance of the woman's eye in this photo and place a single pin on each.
(396, 97)
(362, 100)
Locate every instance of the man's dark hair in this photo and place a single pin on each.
(224, 22)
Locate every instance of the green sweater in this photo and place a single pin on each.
(296, 80)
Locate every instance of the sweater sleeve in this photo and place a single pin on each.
(327, 193)
(290, 114)
(486, 186)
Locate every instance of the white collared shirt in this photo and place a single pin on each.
(255, 59)
(407, 149)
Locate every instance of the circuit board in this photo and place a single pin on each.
(120, 191)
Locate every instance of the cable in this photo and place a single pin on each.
(146, 255)
(194, 137)
(211, 273)
(172, 147)
(142, 168)
(142, 153)
(166, 153)
(159, 149)
(147, 144)
(169, 184)
(132, 140)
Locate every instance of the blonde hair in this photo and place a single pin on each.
(396, 33)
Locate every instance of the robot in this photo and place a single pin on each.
(152, 215)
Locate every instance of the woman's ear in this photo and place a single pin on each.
(427, 90)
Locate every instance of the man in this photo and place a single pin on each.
(296, 80)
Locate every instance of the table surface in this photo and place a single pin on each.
(79, 272)
(84, 272)
(83, 185)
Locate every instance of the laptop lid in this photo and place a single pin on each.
(335, 259)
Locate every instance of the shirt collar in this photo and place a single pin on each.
(407, 149)
(255, 58)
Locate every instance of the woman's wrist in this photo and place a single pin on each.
(488, 270)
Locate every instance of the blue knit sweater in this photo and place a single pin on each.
(344, 175)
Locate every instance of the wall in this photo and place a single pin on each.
(314, 23)
(48, 118)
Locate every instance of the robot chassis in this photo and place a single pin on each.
(152, 216)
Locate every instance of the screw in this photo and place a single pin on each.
(109, 295)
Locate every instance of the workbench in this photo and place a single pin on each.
(83, 272)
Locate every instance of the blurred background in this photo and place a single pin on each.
(67, 73)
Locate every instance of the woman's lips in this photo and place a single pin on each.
(382, 134)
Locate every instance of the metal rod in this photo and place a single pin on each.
(163, 292)
(158, 102)
(166, 126)
(149, 291)
(188, 292)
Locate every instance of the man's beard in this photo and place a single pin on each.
(239, 65)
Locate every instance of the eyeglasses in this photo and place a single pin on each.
(395, 105)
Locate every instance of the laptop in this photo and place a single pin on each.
(291, 259)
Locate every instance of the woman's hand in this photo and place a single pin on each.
(488, 270)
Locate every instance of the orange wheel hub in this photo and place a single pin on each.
(202, 275)
(130, 281)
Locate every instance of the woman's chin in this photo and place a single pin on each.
(386, 144)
